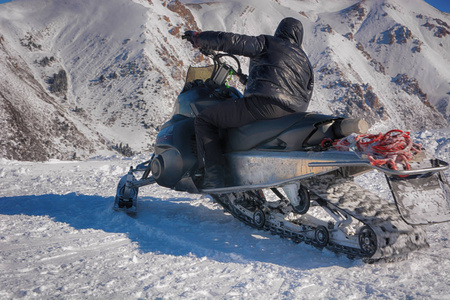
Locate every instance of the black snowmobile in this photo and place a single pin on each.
(281, 177)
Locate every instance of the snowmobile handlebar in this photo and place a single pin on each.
(221, 65)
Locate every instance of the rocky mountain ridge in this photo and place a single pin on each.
(84, 78)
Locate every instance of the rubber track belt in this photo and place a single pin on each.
(395, 237)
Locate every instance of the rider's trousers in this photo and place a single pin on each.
(230, 114)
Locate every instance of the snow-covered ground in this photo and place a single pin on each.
(60, 238)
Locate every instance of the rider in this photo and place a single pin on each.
(280, 82)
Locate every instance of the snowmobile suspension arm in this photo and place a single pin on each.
(145, 180)
(142, 182)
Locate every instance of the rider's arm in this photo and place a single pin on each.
(232, 43)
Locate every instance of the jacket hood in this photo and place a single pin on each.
(290, 29)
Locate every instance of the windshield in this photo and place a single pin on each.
(202, 73)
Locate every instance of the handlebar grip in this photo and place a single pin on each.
(243, 79)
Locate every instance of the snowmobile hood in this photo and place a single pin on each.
(290, 29)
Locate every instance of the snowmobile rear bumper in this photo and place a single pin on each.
(422, 199)
(422, 194)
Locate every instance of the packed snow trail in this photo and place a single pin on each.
(60, 238)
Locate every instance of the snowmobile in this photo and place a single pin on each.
(282, 175)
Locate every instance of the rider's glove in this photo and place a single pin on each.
(192, 37)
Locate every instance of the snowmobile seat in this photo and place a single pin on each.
(253, 134)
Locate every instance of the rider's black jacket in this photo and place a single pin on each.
(279, 68)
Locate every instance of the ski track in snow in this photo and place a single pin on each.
(60, 238)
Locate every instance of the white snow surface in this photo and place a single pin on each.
(61, 239)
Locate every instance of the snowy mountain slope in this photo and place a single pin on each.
(60, 238)
(357, 73)
(34, 126)
(119, 81)
(125, 62)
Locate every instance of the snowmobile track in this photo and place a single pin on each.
(273, 224)
(394, 238)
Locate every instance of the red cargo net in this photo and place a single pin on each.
(392, 148)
